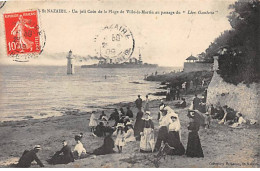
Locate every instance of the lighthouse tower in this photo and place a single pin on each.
(140, 58)
(70, 66)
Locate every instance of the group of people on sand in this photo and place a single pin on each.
(64, 156)
(173, 93)
(224, 114)
(169, 131)
(124, 132)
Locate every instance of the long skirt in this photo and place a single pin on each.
(60, 159)
(162, 136)
(147, 140)
(194, 147)
(103, 151)
(174, 141)
(138, 128)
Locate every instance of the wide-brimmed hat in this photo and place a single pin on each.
(129, 123)
(37, 147)
(120, 125)
(104, 118)
(162, 107)
(148, 113)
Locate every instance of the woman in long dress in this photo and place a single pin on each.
(107, 147)
(138, 125)
(93, 121)
(173, 138)
(147, 134)
(194, 147)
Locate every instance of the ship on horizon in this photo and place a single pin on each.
(132, 63)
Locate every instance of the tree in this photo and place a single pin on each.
(240, 62)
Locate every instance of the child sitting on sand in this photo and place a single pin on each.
(120, 136)
(129, 136)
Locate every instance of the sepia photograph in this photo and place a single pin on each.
(129, 84)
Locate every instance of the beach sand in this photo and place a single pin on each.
(222, 146)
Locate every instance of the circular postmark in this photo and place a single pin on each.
(2, 3)
(115, 43)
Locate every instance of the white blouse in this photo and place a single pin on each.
(79, 148)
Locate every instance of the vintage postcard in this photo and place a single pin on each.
(129, 84)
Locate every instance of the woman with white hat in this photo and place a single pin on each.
(164, 122)
(129, 136)
(120, 136)
(173, 138)
(147, 134)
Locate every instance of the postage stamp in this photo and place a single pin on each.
(115, 42)
(22, 33)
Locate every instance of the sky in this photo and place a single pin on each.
(166, 39)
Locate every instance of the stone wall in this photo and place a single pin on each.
(242, 98)
(196, 66)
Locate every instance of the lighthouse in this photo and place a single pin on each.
(70, 66)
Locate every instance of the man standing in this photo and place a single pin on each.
(29, 156)
(138, 103)
(178, 93)
(196, 103)
(146, 104)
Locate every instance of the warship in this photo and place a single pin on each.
(132, 63)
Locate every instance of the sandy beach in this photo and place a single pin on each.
(222, 146)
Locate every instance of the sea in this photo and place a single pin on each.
(34, 92)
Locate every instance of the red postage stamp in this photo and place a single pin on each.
(22, 33)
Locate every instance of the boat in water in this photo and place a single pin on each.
(133, 63)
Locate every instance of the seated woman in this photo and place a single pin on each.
(100, 130)
(129, 136)
(114, 116)
(79, 151)
(239, 122)
(173, 138)
(229, 115)
(219, 113)
(64, 158)
(181, 104)
(107, 147)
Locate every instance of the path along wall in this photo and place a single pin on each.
(241, 98)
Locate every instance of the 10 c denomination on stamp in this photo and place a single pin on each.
(22, 33)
